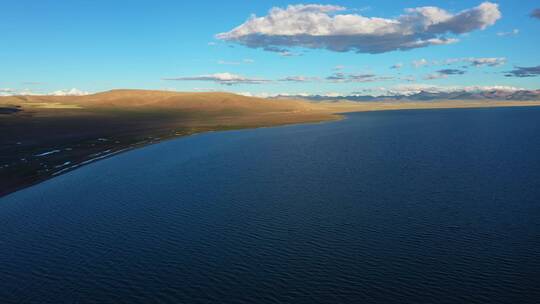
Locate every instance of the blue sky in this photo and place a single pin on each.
(100, 45)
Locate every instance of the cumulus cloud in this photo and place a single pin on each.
(536, 13)
(222, 78)
(328, 27)
(524, 72)
(510, 33)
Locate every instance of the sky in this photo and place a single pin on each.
(266, 48)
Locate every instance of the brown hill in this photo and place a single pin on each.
(214, 102)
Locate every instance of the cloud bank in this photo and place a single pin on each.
(411, 89)
(327, 27)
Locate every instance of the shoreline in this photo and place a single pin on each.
(130, 147)
(335, 112)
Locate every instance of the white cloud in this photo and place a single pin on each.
(222, 78)
(326, 27)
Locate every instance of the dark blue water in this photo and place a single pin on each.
(432, 206)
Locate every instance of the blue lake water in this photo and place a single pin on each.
(427, 206)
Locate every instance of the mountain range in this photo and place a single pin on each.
(500, 95)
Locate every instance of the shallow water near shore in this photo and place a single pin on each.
(419, 206)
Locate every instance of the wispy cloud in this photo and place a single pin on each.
(33, 83)
(524, 72)
(300, 79)
(451, 72)
(492, 62)
(444, 73)
(513, 32)
(222, 78)
(346, 77)
(470, 61)
(420, 63)
(325, 27)
(244, 61)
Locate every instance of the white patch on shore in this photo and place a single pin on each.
(47, 153)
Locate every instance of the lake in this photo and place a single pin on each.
(419, 206)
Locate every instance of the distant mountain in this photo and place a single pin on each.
(520, 95)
